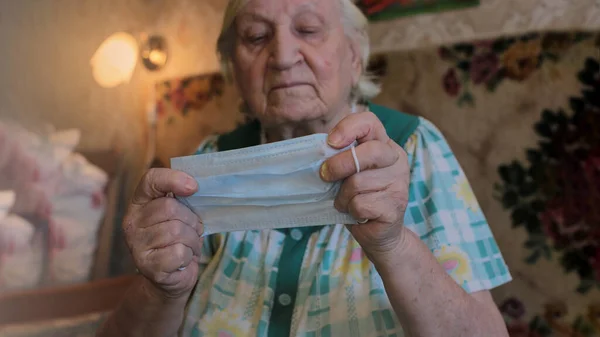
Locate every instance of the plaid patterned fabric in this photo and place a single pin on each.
(318, 282)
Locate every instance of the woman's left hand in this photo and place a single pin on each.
(379, 192)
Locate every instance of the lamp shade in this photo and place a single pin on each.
(115, 60)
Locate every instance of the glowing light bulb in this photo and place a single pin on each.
(115, 60)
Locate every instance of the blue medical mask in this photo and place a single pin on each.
(269, 186)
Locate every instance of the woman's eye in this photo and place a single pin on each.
(254, 34)
(256, 38)
(308, 31)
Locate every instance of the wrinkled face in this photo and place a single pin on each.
(293, 61)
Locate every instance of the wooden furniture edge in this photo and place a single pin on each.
(64, 301)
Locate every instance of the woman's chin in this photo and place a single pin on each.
(293, 111)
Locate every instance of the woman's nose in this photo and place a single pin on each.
(284, 51)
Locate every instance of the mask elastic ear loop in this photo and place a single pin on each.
(356, 163)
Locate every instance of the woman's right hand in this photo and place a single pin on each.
(163, 235)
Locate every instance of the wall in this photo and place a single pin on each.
(47, 46)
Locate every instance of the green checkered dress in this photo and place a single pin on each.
(317, 281)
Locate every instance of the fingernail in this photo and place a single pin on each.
(334, 138)
(324, 172)
(201, 231)
(190, 184)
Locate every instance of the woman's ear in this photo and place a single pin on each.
(355, 61)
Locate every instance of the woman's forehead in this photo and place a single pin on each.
(272, 9)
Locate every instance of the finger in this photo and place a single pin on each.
(361, 183)
(361, 127)
(171, 258)
(368, 206)
(158, 182)
(166, 209)
(373, 154)
(387, 206)
(171, 233)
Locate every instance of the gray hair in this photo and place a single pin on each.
(355, 25)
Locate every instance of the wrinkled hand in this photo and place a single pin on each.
(379, 192)
(163, 235)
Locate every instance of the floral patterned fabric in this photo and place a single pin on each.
(489, 63)
(188, 109)
(338, 291)
(552, 322)
(189, 93)
(521, 114)
(555, 195)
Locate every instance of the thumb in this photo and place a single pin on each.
(159, 182)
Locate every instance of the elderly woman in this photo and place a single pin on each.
(422, 263)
